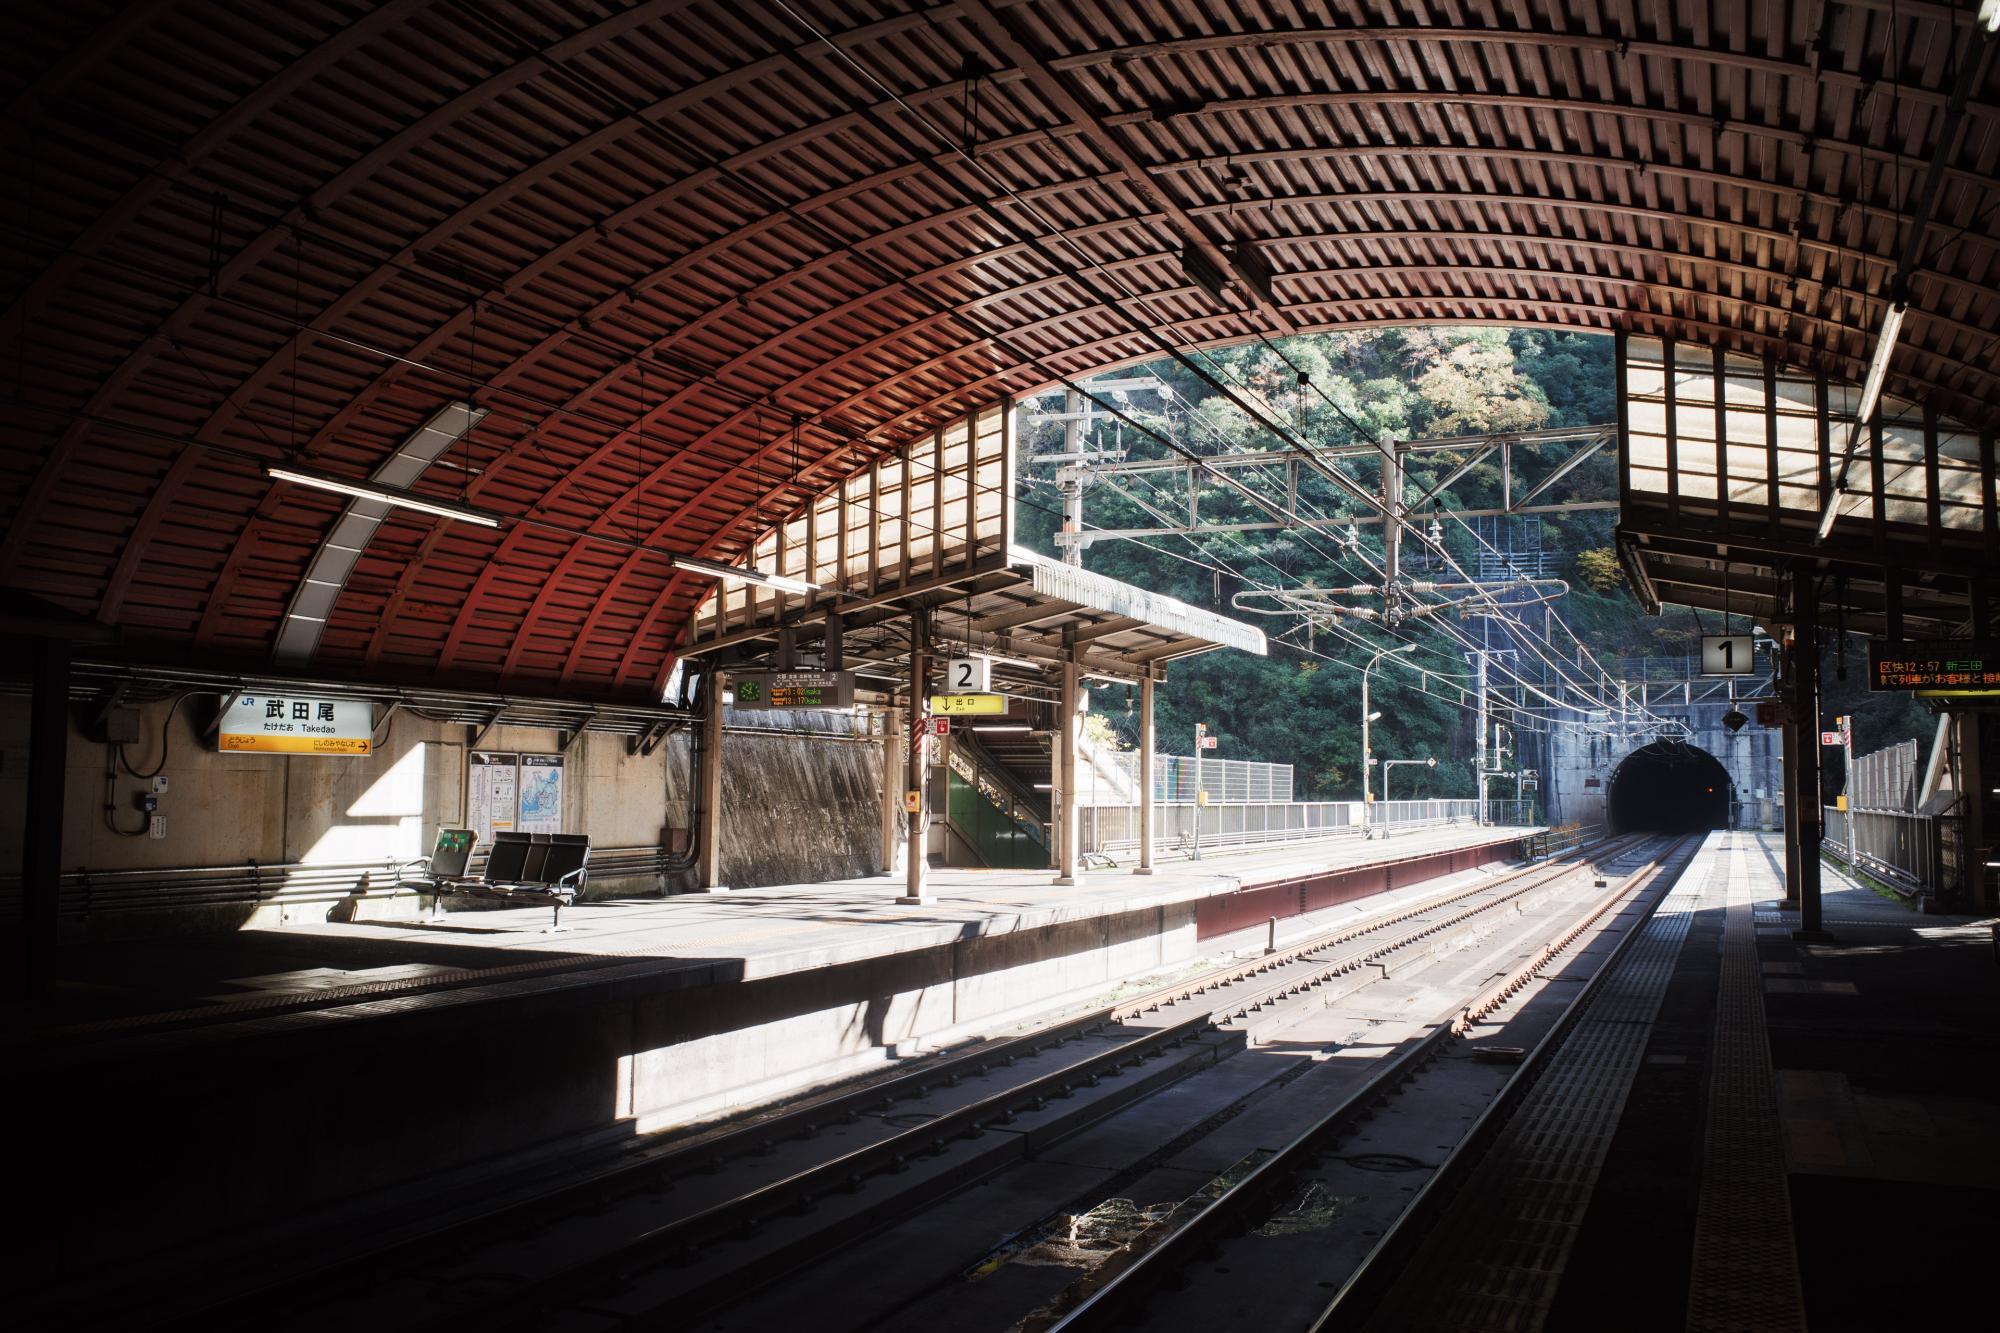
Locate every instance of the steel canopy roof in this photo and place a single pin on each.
(697, 261)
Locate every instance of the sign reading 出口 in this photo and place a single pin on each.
(296, 724)
(1934, 664)
(968, 705)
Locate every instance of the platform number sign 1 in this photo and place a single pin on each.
(1727, 655)
(968, 675)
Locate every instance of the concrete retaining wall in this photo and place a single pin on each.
(233, 810)
(797, 808)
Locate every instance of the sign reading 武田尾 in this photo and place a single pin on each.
(793, 689)
(1934, 664)
(296, 724)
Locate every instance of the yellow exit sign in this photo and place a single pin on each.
(967, 705)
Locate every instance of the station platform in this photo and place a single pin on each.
(1748, 1130)
(134, 987)
(301, 1070)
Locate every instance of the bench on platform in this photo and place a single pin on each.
(541, 868)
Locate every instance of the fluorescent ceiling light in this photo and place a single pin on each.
(1878, 367)
(1989, 15)
(784, 582)
(1871, 395)
(383, 495)
(694, 564)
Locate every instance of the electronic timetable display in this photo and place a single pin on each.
(1934, 664)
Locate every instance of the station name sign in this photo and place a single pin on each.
(1934, 664)
(296, 724)
(793, 689)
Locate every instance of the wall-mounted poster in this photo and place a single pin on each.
(490, 794)
(541, 793)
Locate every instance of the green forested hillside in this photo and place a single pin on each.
(1301, 705)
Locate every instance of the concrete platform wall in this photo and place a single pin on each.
(236, 810)
(197, 1135)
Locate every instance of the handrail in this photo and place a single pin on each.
(978, 763)
(87, 892)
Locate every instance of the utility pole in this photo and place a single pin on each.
(1479, 756)
(1367, 754)
(1200, 736)
(1071, 478)
(1392, 521)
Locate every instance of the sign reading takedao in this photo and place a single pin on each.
(297, 724)
(1934, 664)
(793, 689)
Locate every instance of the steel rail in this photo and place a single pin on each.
(672, 1239)
(1112, 1303)
(683, 1237)
(805, 1120)
(1364, 1288)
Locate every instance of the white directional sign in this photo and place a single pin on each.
(1727, 655)
(296, 724)
(968, 675)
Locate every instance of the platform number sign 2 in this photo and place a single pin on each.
(1727, 655)
(968, 675)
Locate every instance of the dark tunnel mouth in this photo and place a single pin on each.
(1668, 787)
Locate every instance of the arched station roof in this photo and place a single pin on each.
(696, 261)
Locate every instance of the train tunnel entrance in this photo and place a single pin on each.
(1668, 787)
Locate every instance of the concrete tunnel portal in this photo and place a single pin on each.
(1668, 787)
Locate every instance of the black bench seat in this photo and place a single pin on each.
(540, 868)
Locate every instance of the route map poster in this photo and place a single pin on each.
(541, 793)
(490, 794)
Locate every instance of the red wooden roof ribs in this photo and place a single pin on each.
(648, 237)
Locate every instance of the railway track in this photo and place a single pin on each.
(1193, 1248)
(700, 1220)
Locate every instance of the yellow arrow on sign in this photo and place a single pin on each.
(963, 705)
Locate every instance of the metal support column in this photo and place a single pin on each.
(1479, 742)
(1805, 723)
(41, 843)
(708, 833)
(1146, 762)
(916, 865)
(892, 787)
(1788, 738)
(1975, 878)
(1069, 730)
